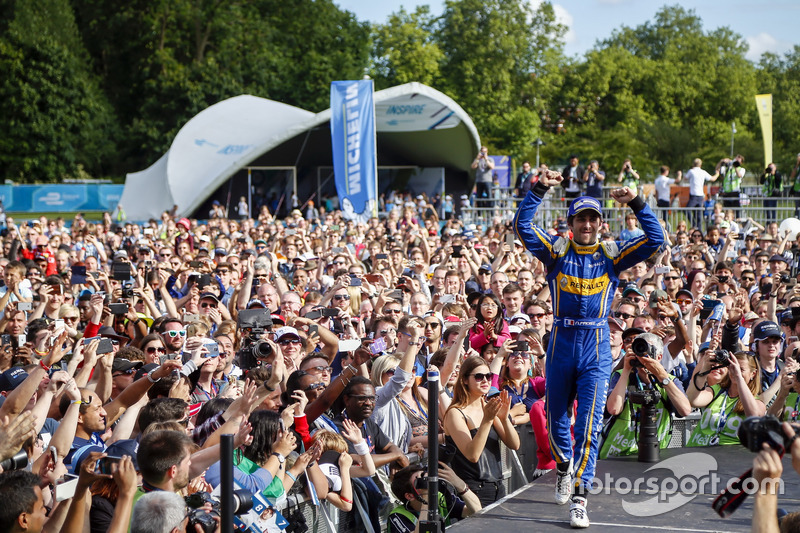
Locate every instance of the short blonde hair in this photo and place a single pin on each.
(330, 440)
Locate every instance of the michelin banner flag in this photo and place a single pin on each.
(354, 155)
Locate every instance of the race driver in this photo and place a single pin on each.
(583, 276)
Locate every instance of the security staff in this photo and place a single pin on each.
(583, 276)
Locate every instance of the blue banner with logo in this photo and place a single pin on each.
(62, 198)
(354, 153)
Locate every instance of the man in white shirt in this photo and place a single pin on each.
(697, 178)
(663, 183)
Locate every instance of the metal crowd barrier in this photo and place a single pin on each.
(554, 207)
(518, 467)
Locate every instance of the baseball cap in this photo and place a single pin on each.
(616, 322)
(520, 316)
(260, 241)
(123, 365)
(256, 303)
(120, 253)
(486, 266)
(210, 295)
(220, 251)
(12, 378)
(777, 257)
(765, 330)
(584, 203)
(684, 292)
(632, 288)
(144, 370)
(185, 223)
(278, 319)
(631, 331)
(285, 332)
(125, 447)
(657, 295)
(724, 224)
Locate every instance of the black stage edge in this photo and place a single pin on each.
(531, 508)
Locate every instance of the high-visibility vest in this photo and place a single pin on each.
(731, 182)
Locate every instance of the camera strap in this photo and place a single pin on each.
(732, 497)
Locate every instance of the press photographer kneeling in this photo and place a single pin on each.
(643, 396)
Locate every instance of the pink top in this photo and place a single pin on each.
(477, 337)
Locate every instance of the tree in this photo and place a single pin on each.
(404, 50)
(54, 118)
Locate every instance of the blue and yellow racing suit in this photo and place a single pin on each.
(582, 281)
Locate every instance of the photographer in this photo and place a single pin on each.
(410, 485)
(641, 373)
(723, 406)
(771, 188)
(483, 165)
(732, 173)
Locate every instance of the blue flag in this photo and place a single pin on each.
(353, 142)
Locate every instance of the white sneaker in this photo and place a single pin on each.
(578, 517)
(563, 485)
(539, 472)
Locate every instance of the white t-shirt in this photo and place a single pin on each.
(697, 178)
(662, 187)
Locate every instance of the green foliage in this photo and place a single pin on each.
(404, 50)
(55, 120)
(107, 84)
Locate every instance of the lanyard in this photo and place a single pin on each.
(422, 414)
(723, 415)
(518, 397)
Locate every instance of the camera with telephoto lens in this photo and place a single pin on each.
(649, 447)
(17, 462)
(721, 358)
(253, 323)
(757, 430)
(642, 348)
(242, 503)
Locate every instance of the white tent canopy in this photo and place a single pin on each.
(427, 125)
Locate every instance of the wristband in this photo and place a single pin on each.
(41, 364)
(294, 479)
(150, 377)
(466, 490)
(361, 448)
(73, 402)
(345, 500)
(270, 389)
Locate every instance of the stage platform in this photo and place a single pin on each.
(691, 479)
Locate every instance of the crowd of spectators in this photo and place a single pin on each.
(309, 340)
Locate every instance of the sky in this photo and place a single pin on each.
(766, 25)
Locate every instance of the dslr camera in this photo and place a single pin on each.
(757, 430)
(253, 323)
(642, 348)
(242, 503)
(721, 358)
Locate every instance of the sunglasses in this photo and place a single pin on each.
(205, 305)
(387, 331)
(432, 325)
(624, 316)
(684, 301)
(536, 315)
(323, 369)
(155, 349)
(314, 386)
(482, 377)
(221, 271)
(671, 278)
(342, 297)
(389, 371)
(124, 373)
(286, 342)
(748, 278)
(176, 333)
(364, 398)
(393, 311)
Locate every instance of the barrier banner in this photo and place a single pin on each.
(764, 106)
(63, 198)
(355, 165)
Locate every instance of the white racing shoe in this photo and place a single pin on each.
(578, 517)
(563, 485)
